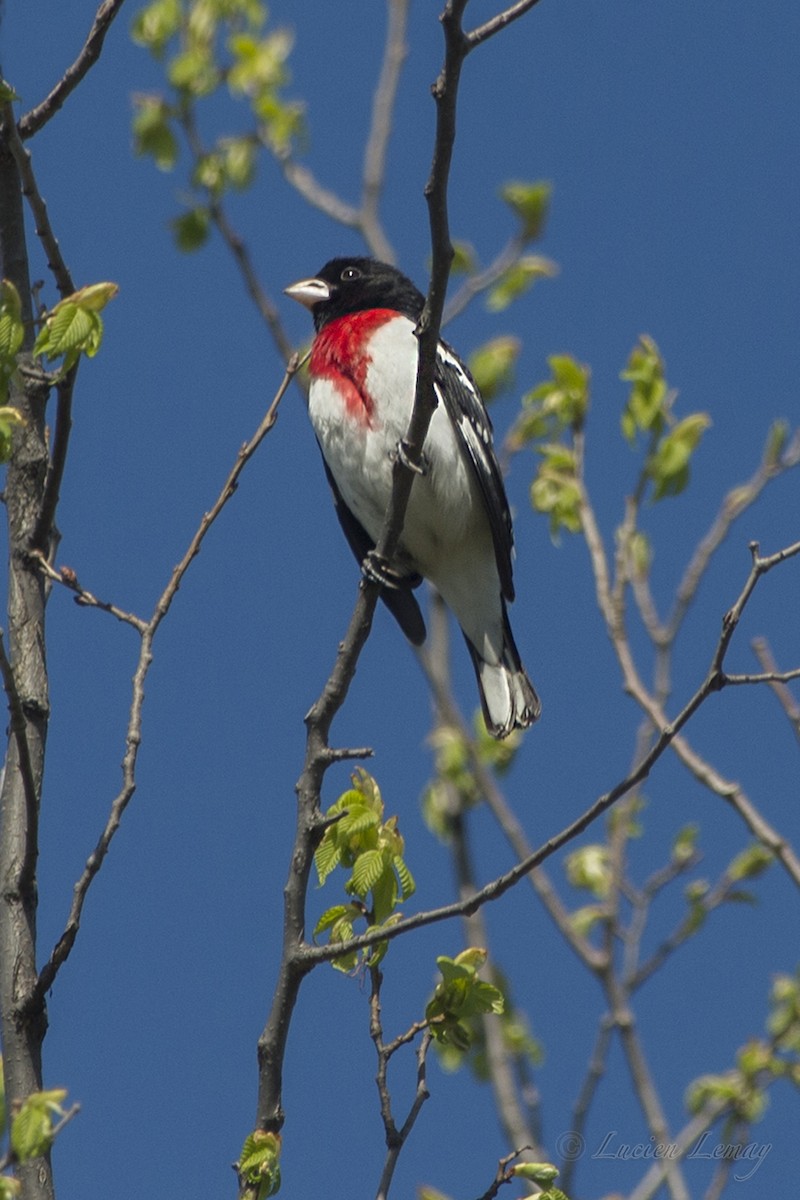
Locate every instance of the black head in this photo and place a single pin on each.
(346, 285)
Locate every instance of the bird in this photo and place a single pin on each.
(457, 531)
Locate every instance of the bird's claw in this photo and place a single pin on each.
(401, 452)
(376, 569)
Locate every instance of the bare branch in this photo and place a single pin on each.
(33, 121)
(480, 281)
(68, 579)
(148, 631)
(257, 293)
(303, 181)
(44, 230)
(715, 680)
(785, 698)
(736, 502)
(296, 957)
(594, 1073)
(506, 819)
(394, 55)
(489, 28)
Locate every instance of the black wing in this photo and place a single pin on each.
(459, 393)
(400, 602)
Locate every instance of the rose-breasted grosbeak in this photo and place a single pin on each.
(457, 531)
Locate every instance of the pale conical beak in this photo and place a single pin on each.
(309, 292)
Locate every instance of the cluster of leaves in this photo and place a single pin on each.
(591, 869)
(72, 328)
(259, 1164)
(541, 1175)
(492, 364)
(34, 1125)
(555, 411)
(359, 840)
(12, 333)
(460, 997)
(530, 203)
(648, 411)
(454, 787)
(742, 1091)
(521, 1047)
(208, 45)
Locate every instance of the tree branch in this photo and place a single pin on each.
(147, 631)
(374, 173)
(296, 958)
(785, 698)
(23, 1029)
(490, 28)
(33, 121)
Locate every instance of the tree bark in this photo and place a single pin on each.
(23, 1020)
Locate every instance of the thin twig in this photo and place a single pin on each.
(374, 172)
(68, 579)
(785, 698)
(37, 205)
(668, 735)
(595, 1071)
(148, 630)
(496, 24)
(257, 293)
(736, 502)
(33, 121)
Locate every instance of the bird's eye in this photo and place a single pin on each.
(350, 273)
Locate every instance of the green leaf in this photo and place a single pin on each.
(239, 156)
(583, 920)
(668, 465)
(32, 1124)
(327, 857)
(407, 884)
(12, 331)
(464, 259)
(518, 279)
(191, 229)
(367, 870)
(152, 132)
(531, 203)
(541, 1173)
(590, 869)
(492, 365)
(74, 326)
(10, 420)
(384, 895)
(156, 25)
(332, 916)
(194, 71)
(777, 438)
(751, 862)
(555, 489)
(649, 400)
(259, 1162)
(684, 846)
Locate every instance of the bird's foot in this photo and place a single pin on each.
(401, 452)
(377, 569)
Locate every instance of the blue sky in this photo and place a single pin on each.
(669, 132)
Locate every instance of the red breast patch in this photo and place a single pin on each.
(340, 354)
